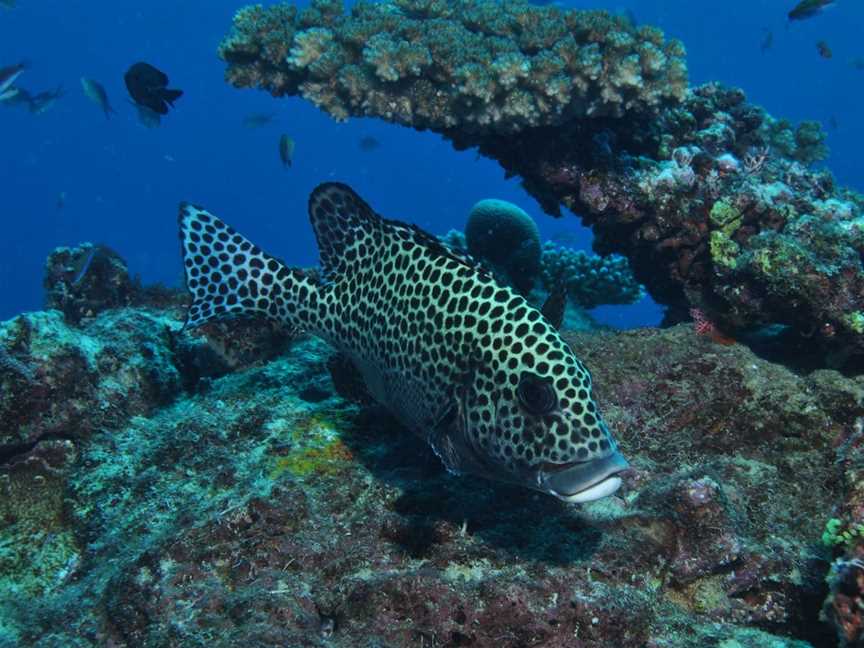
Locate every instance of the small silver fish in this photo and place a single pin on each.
(257, 120)
(42, 102)
(286, 150)
(96, 93)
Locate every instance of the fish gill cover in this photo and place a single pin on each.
(712, 200)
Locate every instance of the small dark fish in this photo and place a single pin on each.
(257, 120)
(832, 121)
(149, 87)
(286, 150)
(61, 200)
(767, 41)
(857, 64)
(368, 144)
(808, 8)
(96, 93)
(824, 50)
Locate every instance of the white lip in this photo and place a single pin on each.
(597, 491)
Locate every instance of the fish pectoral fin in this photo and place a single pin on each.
(556, 303)
(440, 439)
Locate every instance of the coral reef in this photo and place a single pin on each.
(488, 67)
(710, 198)
(257, 506)
(503, 235)
(714, 207)
(83, 280)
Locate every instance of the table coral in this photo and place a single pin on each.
(492, 67)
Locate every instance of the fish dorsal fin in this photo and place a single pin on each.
(341, 220)
(554, 306)
(348, 230)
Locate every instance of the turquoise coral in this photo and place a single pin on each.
(497, 66)
(506, 237)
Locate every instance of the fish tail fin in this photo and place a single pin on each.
(228, 276)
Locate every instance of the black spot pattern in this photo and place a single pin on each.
(430, 324)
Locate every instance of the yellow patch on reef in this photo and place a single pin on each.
(702, 596)
(316, 449)
(327, 460)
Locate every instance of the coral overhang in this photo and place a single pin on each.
(595, 114)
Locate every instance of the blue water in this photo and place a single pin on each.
(122, 182)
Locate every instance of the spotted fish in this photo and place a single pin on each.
(465, 363)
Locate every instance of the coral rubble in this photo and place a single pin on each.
(711, 199)
(149, 500)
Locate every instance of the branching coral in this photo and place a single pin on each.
(495, 66)
(591, 280)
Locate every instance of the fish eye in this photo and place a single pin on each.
(536, 394)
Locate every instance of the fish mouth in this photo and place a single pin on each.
(585, 481)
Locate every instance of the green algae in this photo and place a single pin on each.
(724, 251)
(725, 217)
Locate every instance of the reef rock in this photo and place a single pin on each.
(159, 505)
